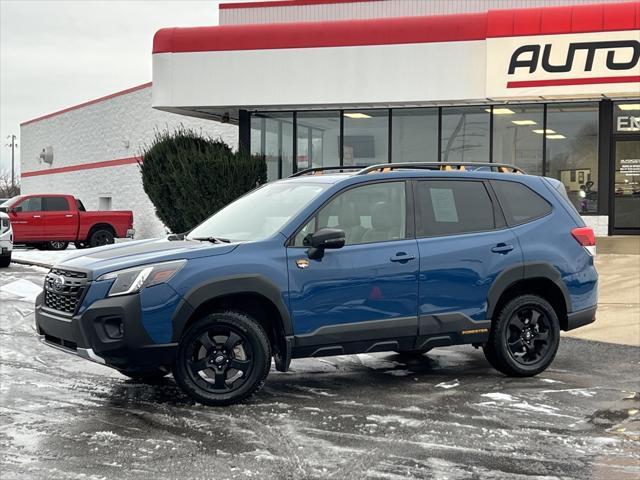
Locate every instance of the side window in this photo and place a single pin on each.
(447, 207)
(33, 204)
(519, 203)
(366, 214)
(56, 204)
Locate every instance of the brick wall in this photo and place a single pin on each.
(111, 129)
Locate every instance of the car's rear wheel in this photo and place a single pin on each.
(101, 237)
(524, 337)
(223, 358)
(57, 245)
(80, 245)
(5, 260)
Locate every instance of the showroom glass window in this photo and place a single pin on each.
(366, 137)
(518, 136)
(318, 142)
(272, 138)
(414, 135)
(465, 134)
(572, 151)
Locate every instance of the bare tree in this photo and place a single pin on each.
(6, 189)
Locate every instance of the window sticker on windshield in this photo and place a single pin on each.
(444, 205)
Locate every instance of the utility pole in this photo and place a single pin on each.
(13, 145)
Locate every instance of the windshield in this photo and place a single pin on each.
(260, 213)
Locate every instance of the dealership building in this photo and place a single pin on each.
(553, 88)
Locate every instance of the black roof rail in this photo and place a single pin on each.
(319, 170)
(465, 166)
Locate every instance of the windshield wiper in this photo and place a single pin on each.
(212, 239)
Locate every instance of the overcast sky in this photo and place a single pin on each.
(54, 54)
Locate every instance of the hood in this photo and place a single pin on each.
(130, 254)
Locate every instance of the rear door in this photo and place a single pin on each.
(27, 220)
(464, 245)
(60, 222)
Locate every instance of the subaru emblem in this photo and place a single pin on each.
(58, 283)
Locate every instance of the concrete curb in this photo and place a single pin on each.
(30, 263)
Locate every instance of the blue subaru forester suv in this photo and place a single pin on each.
(332, 261)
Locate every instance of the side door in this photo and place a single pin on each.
(60, 222)
(464, 245)
(363, 296)
(27, 220)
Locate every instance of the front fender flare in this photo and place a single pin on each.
(223, 286)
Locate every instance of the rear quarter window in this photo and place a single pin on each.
(519, 203)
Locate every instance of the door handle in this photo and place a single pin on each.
(402, 257)
(69, 215)
(502, 248)
(36, 216)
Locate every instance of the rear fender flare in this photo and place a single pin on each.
(526, 271)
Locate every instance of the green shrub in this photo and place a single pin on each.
(188, 176)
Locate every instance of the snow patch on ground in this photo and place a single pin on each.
(22, 289)
(447, 385)
(387, 419)
(499, 396)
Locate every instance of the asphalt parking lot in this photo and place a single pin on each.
(381, 416)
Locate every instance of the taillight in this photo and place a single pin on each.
(585, 237)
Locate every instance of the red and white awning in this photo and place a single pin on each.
(510, 55)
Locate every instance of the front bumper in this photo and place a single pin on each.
(90, 335)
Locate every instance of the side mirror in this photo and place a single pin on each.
(323, 239)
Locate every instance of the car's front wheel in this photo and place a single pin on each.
(223, 358)
(524, 337)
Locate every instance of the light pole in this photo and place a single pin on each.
(13, 145)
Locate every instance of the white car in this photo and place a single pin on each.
(6, 240)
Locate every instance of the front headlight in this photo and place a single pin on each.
(132, 280)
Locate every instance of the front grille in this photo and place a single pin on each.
(63, 290)
(68, 273)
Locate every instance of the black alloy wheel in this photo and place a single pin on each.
(528, 335)
(524, 337)
(101, 237)
(223, 358)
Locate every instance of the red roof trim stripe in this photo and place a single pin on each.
(402, 30)
(287, 3)
(572, 81)
(343, 33)
(84, 166)
(90, 102)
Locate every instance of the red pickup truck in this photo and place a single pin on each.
(52, 221)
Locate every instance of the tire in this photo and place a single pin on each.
(153, 375)
(223, 358)
(56, 245)
(101, 237)
(80, 245)
(5, 261)
(524, 337)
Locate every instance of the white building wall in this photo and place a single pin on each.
(378, 9)
(111, 129)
